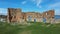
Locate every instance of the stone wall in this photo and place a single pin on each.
(33, 16)
(48, 14)
(15, 15)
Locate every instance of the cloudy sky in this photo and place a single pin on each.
(30, 5)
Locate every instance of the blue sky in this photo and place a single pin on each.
(30, 5)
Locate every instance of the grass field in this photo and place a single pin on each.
(35, 28)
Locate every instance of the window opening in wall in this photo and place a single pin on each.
(35, 20)
(46, 14)
(29, 18)
(14, 16)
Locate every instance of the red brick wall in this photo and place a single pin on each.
(14, 15)
(50, 14)
(18, 15)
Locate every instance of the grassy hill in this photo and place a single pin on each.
(35, 28)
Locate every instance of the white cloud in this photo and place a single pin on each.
(24, 2)
(3, 11)
(55, 5)
(37, 2)
(57, 11)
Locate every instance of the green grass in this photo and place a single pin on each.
(35, 28)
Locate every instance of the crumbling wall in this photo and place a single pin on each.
(49, 15)
(14, 15)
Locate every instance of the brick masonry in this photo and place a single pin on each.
(16, 15)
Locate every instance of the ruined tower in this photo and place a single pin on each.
(49, 14)
(14, 15)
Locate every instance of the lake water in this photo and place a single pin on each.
(57, 16)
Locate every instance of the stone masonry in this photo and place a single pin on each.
(16, 15)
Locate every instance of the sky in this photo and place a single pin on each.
(30, 5)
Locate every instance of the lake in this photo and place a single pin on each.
(57, 16)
